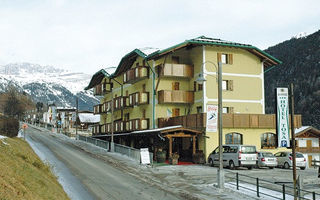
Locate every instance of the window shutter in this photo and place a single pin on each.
(219, 57)
(230, 85)
(230, 59)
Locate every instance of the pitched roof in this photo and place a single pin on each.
(202, 40)
(309, 130)
(97, 78)
(128, 60)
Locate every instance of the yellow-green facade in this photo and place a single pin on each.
(246, 96)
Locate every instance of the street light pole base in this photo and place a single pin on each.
(111, 146)
(220, 178)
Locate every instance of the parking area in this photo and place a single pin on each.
(309, 176)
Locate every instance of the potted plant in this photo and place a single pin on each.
(174, 158)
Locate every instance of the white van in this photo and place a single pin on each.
(235, 156)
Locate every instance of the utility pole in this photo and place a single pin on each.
(293, 139)
(77, 104)
(220, 171)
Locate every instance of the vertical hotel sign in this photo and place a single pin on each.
(212, 118)
(283, 117)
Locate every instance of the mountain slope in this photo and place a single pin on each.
(301, 66)
(46, 83)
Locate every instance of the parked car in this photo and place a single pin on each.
(235, 156)
(267, 159)
(285, 160)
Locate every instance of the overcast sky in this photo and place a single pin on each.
(87, 35)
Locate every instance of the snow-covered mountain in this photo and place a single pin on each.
(47, 83)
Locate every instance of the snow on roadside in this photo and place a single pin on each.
(1, 139)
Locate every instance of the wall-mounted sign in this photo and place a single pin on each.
(212, 118)
(283, 117)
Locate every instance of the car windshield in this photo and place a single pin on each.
(267, 155)
(298, 155)
(248, 149)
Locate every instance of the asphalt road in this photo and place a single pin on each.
(100, 179)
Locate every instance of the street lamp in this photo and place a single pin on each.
(112, 109)
(201, 79)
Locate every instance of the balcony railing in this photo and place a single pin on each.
(175, 70)
(106, 107)
(308, 149)
(135, 74)
(198, 121)
(121, 102)
(101, 89)
(175, 96)
(193, 121)
(139, 98)
(137, 124)
(97, 109)
(96, 129)
(97, 90)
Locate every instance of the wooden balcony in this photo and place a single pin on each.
(137, 124)
(121, 103)
(101, 89)
(97, 90)
(135, 74)
(139, 98)
(308, 149)
(106, 107)
(193, 121)
(97, 109)
(175, 96)
(175, 70)
(96, 129)
(198, 121)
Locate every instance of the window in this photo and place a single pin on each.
(175, 112)
(195, 86)
(268, 140)
(227, 85)
(233, 138)
(127, 93)
(200, 87)
(225, 58)
(227, 110)
(199, 109)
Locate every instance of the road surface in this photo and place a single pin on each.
(100, 179)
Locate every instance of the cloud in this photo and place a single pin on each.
(85, 35)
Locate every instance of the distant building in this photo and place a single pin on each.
(308, 139)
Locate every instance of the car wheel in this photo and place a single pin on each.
(302, 168)
(270, 167)
(211, 162)
(231, 165)
(286, 165)
(249, 168)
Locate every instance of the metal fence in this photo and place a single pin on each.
(275, 190)
(118, 148)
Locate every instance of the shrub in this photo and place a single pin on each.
(9, 126)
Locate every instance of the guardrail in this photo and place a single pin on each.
(315, 163)
(269, 189)
(118, 148)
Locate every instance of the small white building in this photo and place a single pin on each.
(308, 139)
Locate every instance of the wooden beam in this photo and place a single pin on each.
(193, 145)
(170, 147)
